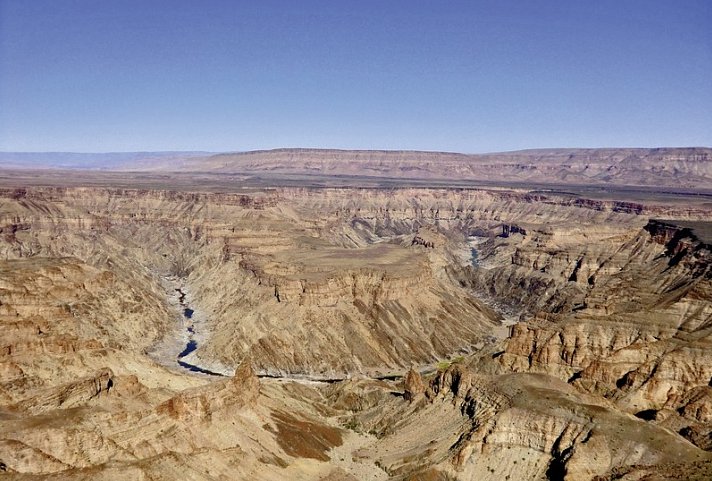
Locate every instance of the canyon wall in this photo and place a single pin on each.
(601, 369)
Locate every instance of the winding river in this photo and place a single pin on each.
(192, 344)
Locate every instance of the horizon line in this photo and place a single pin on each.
(339, 149)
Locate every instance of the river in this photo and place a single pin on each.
(192, 343)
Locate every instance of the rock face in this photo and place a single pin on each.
(639, 335)
(74, 393)
(306, 288)
(386, 338)
(475, 425)
(245, 381)
(200, 403)
(661, 277)
(414, 386)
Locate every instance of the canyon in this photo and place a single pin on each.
(235, 316)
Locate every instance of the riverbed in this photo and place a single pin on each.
(192, 343)
(177, 349)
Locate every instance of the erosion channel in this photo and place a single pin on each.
(192, 344)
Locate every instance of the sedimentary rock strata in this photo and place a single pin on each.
(352, 334)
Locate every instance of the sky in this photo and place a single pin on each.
(466, 76)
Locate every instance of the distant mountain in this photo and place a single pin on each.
(100, 161)
(681, 167)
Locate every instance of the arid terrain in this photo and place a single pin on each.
(339, 315)
(669, 167)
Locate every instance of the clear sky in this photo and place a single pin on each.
(467, 76)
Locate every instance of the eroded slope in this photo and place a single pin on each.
(606, 374)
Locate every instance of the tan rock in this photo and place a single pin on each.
(414, 387)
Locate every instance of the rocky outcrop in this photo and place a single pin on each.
(246, 382)
(414, 387)
(609, 368)
(200, 404)
(474, 425)
(696, 404)
(642, 338)
(419, 241)
(508, 230)
(73, 394)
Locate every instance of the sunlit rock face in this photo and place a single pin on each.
(639, 334)
(349, 335)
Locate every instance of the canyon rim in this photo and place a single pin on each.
(227, 317)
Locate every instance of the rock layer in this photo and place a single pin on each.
(604, 372)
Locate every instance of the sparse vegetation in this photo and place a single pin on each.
(443, 365)
(353, 425)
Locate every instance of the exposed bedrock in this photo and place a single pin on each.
(472, 425)
(642, 334)
(607, 375)
(196, 404)
(359, 320)
(328, 270)
(334, 270)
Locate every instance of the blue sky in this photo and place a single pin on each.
(470, 76)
